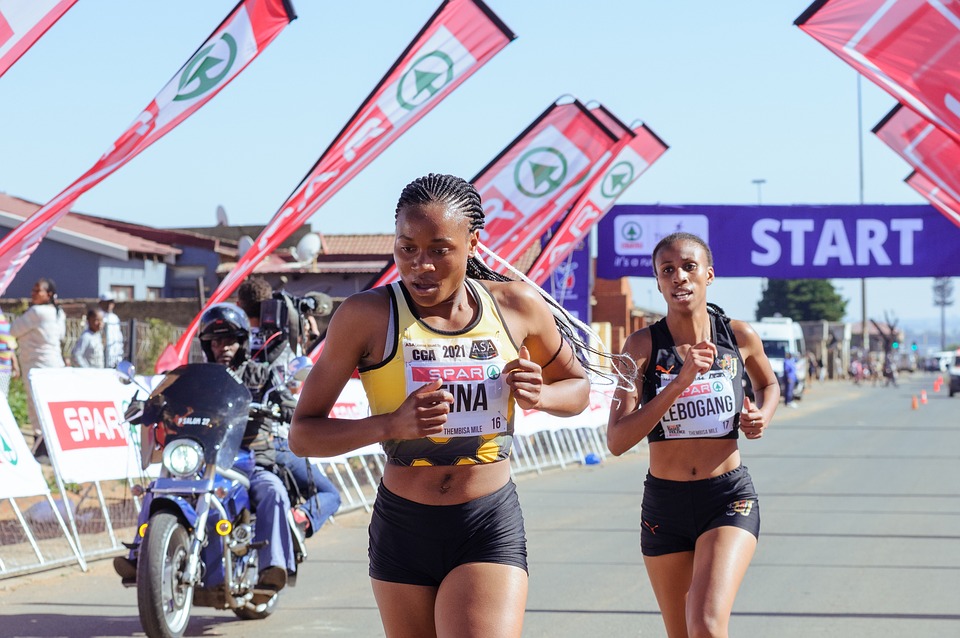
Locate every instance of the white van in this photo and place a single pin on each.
(781, 335)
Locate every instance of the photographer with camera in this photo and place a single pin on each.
(275, 320)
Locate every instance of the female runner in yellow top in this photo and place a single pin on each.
(443, 357)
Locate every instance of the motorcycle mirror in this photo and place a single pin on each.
(299, 368)
(126, 371)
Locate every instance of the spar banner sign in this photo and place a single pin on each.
(636, 153)
(929, 150)
(941, 200)
(250, 27)
(785, 242)
(534, 178)
(20, 474)
(910, 48)
(81, 415)
(459, 39)
(23, 22)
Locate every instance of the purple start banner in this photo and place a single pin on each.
(787, 242)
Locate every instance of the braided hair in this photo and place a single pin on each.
(461, 196)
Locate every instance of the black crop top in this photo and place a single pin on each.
(710, 407)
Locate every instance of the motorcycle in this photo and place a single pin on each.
(194, 543)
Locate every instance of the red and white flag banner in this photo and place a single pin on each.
(941, 200)
(23, 22)
(635, 154)
(249, 28)
(910, 48)
(460, 38)
(532, 177)
(527, 189)
(931, 152)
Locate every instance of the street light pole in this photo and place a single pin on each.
(759, 183)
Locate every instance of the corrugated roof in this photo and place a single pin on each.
(87, 229)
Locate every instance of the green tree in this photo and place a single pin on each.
(802, 300)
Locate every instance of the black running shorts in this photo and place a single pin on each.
(675, 513)
(418, 544)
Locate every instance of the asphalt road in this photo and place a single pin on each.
(861, 537)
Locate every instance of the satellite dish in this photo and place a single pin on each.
(222, 216)
(308, 247)
(244, 244)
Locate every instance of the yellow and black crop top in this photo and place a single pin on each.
(479, 428)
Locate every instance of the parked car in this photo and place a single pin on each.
(781, 335)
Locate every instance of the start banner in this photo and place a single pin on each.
(784, 242)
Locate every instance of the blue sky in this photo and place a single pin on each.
(735, 89)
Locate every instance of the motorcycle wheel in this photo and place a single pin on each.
(164, 600)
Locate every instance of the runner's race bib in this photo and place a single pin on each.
(471, 370)
(705, 409)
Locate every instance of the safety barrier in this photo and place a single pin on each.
(96, 511)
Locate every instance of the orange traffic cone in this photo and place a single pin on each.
(913, 403)
(940, 380)
(936, 386)
(923, 397)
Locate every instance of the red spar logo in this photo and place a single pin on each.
(87, 424)
(426, 374)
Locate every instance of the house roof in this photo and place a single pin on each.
(76, 231)
(170, 236)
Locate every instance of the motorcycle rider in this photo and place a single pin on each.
(270, 344)
(224, 336)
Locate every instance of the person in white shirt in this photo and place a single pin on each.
(113, 351)
(88, 351)
(40, 332)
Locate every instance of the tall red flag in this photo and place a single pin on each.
(910, 48)
(635, 153)
(460, 38)
(246, 31)
(532, 177)
(23, 22)
(941, 200)
(931, 152)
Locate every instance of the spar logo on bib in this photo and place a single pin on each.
(87, 424)
(427, 373)
(207, 68)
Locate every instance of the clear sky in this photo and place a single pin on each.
(735, 89)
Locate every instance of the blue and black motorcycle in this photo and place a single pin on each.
(194, 542)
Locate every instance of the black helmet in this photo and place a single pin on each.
(224, 320)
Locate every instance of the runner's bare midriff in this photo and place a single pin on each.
(693, 459)
(446, 484)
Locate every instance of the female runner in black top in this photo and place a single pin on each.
(700, 518)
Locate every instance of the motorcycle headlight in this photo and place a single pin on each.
(183, 457)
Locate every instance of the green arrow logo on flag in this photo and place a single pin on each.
(631, 231)
(617, 179)
(545, 167)
(424, 79)
(7, 452)
(198, 69)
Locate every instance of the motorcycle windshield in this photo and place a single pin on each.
(204, 402)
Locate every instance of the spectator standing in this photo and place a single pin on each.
(40, 332)
(88, 351)
(113, 348)
(9, 366)
(789, 379)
